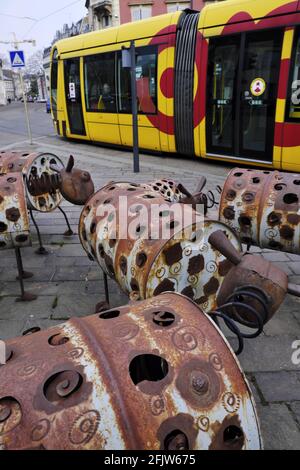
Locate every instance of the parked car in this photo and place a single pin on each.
(48, 108)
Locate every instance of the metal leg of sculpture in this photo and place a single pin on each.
(25, 296)
(41, 250)
(69, 232)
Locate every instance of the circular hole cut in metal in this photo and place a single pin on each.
(256, 180)
(163, 318)
(176, 440)
(290, 198)
(244, 220)
(233, 437)
(296, 182)
(109, 314)
(3, 227)
(231, 195)
(238, 175)
(58, 339)
(141, 259)
(123, 265)
(93, 227)
(279, 186)
(21, 238)
(274, 218)
(148, 367)
(31, 331)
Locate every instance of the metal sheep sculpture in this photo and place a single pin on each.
(154, 374)
(199, 259)
(31, 182)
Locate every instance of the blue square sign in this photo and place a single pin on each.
(17, 59)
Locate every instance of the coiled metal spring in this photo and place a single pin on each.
(237, 310)
(209, 199)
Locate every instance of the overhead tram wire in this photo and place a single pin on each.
(50, 14)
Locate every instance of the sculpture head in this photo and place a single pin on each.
(76, 185)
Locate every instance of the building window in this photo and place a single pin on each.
(178, 6)
(106, 21)
(146, 82)
(100, 87)
(140, 12)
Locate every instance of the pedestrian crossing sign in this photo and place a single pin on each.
(17, 59)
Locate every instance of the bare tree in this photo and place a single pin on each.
(34, 64)
(5, 61)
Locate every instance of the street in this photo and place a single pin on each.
(69, 284)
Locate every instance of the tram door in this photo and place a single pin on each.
(73, 96)
(242, 89)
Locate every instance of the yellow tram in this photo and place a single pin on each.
(220, 84)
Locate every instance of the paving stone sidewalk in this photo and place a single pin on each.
(69, 284)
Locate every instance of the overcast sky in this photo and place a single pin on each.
(42, 30)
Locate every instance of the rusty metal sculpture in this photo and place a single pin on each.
(35, 182)
(143, 265)
(263, 208)
(253, 289)
(200, 260)
(155, 374)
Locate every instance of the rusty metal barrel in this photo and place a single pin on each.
(14, 222)
(146, 265)
(263, 208)
(155, 374)
(34, 167)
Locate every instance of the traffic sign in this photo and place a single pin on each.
(17, 59)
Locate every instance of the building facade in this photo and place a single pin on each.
(134, 10)
(3, 100)
(10, 86)
(103, 13)
(46, 66)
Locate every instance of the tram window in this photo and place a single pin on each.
(294, 106)
(100, 88)
(54, 72)
(146, 83)
(222, 69)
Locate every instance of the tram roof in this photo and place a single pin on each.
(212, 15)
(126, 32)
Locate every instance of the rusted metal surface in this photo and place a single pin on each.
(35, 167)
(143, 266)
(263, 208)
(253, 289)
(14, 223)
(155, 374)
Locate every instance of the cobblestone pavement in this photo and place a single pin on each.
(68, 284)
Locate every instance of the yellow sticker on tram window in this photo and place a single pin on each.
(258, 87)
